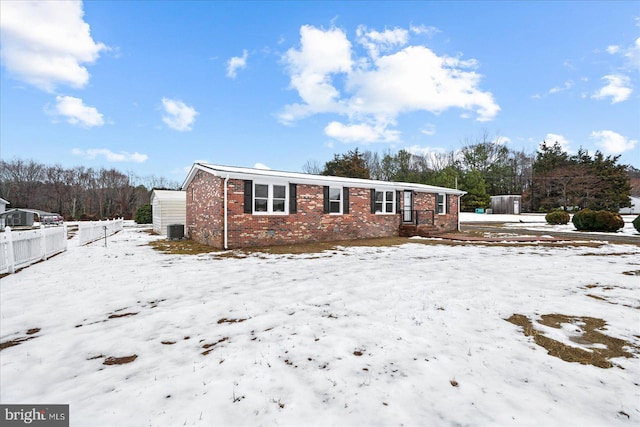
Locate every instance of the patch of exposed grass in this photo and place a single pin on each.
(591, 335)
(191, 247)
(181, 247)
(632, 273)
(120, 360)
(609, 254)
(20, 340)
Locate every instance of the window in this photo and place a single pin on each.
(269, 198)
(335, 200)
(261, 198)
(384, 201)
(442, 203)
(279, 198)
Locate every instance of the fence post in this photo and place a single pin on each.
(43, 243)
(66, 235)
(11, 261)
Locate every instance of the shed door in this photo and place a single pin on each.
(516, 207)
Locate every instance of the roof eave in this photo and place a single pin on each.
(300, 178)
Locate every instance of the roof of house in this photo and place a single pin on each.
(304, 178)
(3, 201)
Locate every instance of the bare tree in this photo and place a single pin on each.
(312, 167)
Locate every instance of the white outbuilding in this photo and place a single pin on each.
(169, 208)
(3, 205)
(635, 206)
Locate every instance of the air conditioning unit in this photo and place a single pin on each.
(175, 231)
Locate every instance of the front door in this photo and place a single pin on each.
(407, 206)
(516, 207)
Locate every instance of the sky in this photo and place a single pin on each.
(151, 87)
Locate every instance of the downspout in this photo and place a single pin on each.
(225, 213)
(459, 197)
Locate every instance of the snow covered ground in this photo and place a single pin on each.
(401, 335)
(537, 222)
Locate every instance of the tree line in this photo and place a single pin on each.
(548, 179)
(76, 193)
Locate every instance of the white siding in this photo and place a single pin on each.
(169, 207)
(3, 205)
(635, 207)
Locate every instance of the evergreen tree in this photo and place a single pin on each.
(477, 196)
(349, 165)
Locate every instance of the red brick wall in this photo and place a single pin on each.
(205, 216)
(425, 202)
(309, 223)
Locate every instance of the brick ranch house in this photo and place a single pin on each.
(233, 207)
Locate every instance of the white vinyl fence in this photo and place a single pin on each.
(22, 248)
(95, 230)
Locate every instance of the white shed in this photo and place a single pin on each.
(3, 205)
(168, 207)
(635, 207)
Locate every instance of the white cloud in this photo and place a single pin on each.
(612, 142)
(426, 151)
(503, 140)
(363, 133)
(261, 166)
(552, 138)
(322, 53)
(618, 88)
(415, 79)
(373, 90)
(376, 42)
(76, 113)
(429, 129)
(613, 49)
(567, 85)
(110, 156)
(631, 54)
(47, 43)
(179, 116)
(235, 63)
(422, 29)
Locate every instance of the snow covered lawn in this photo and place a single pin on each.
(403, 335)
(535, 221)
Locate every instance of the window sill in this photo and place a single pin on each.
(269, 213)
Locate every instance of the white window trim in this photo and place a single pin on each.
(385, 201)
(444, 203)
(340, 200)
(270, 185)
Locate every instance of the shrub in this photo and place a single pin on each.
(557, 217)
(588, 220)
(636, 223)
(144, 215)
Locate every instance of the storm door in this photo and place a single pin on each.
(407, 206)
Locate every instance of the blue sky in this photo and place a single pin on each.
(150, 87)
